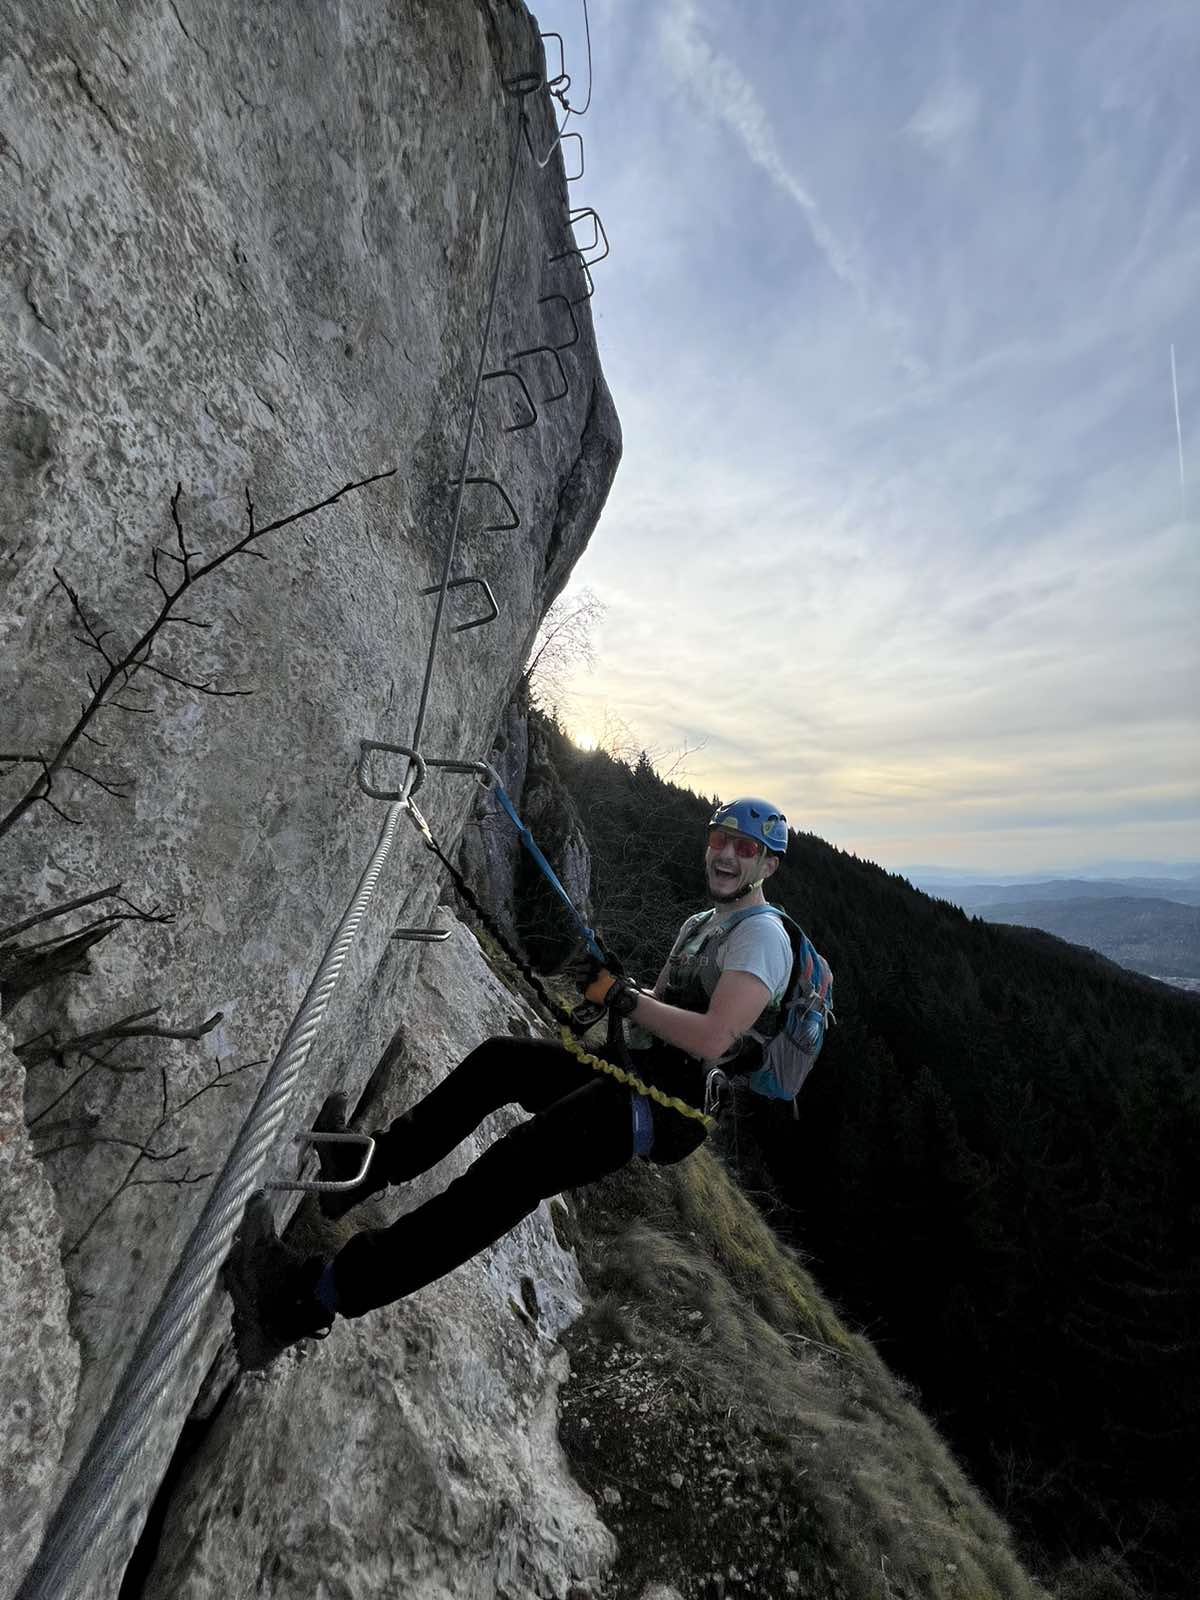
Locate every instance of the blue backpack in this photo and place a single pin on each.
(806, 1009)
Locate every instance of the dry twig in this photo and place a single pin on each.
(174, 573)
(27, 966)
(130, 1027)
(133, 1176)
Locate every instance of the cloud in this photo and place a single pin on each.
(724, 92)
(946, 116)
(730, 96)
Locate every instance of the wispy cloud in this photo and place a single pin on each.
(721, 90)
(1178, 436)
(946, 116)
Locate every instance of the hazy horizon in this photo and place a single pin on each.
(1178, 871)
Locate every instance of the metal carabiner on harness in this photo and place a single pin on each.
(718, 1093)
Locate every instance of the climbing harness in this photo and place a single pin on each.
(101, 1496)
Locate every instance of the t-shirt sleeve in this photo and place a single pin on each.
(760, 945)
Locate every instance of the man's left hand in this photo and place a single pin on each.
(585, 969)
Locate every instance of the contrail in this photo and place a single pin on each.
(1178, 436)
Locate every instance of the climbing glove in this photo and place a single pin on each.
(603, 985)
(613, 993)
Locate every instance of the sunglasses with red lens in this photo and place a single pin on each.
(719, 837)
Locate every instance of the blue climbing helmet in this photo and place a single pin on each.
(758, 819)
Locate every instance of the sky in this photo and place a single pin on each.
(905, 536)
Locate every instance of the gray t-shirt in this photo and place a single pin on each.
(758, 945)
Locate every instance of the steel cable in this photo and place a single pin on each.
(87, 1507)
(470, 435)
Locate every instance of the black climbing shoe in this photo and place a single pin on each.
(341, 1161)
(273, 1290)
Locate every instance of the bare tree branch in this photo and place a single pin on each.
(24, 967)
(57, 911)
(564, 641)
(129, 1027)
(146, 1152)
(123, 669)
(93, 1061)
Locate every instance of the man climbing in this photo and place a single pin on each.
(715, 1001)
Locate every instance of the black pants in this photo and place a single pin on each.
(581, 1130)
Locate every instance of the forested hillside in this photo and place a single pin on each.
(994, 1171)
(1149, 935)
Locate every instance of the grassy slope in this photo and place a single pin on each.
(801, 1466)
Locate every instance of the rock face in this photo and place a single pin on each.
(39, 1367)
(415, 1450)
(253, 259)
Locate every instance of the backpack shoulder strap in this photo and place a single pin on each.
(752, 911)
(810, 970)
(694, 925)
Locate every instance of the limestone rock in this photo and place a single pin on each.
(490, 858)
(39, 1358)
(245, 256)
(415, 1450)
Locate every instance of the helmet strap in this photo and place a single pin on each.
(732, 899)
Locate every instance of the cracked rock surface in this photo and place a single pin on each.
(237, 255)
(415, 1450)
(39, 1358)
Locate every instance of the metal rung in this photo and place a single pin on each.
(329, 1186)
(562, 81)
(505, 372)
(574, 339)
(422, 935)
(573, 177)
(591, 287)
(459, 583)
(417, 762)
(549, 350)
(478, 769)
(493, 527)
(576, 215)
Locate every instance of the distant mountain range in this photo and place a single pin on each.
(974, 896)
(1158, 937)
(1149, 925)
(1106, 871)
